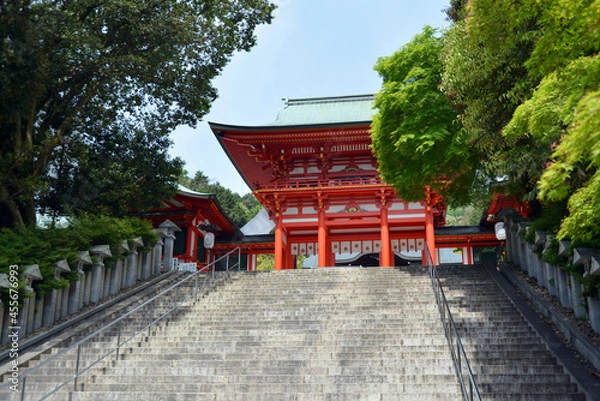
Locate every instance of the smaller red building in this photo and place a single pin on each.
(195, 214)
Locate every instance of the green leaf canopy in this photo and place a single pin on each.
(416, 137)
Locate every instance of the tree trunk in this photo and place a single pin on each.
(27, 210)
(13, 218)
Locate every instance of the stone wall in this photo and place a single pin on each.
(567, 288)
(96, 282)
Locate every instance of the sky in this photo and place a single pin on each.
(312, 48)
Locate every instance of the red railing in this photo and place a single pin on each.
(334, 182)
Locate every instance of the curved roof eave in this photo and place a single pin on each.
(215, 127)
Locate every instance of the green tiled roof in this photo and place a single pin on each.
(325, 110)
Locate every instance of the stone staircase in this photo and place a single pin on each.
(509, 359)
(326, 334)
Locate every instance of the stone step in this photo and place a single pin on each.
(527, 387)
(277, 379)
(287, 396)
(261, 388)
(297, 362)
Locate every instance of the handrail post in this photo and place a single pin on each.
(23, 383)
(77, 367)
(118, 341)
(150, 314)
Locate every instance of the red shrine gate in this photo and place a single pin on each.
(313, 170)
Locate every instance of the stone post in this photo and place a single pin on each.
(49, 308)
(3, 336)
(511, 241)
(594, 313)
(576, 298)
(31, 273)
(61, 294)
(158, 249)
(595, 266)
(522, 246)
(538, 246)
(115, 279)
(106, 280)
(169, 242)
(97, 285)
(52, 300)
(563, 248)
(553, 280)
(64, 304)
(75, 292)
(132, 262)
(6, 323)
(87, 287)
(563, 288)
(583, 257)
(38, 312)
(543, 271)
(146, 265)
(123, 274)
(529, 259)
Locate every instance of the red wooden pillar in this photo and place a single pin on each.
(251, 261)
(330, 255)
(191, 240)
(385, 257)
(467, 252)
(429, 227)
(323, 249)
(290, 260)
(279, 242)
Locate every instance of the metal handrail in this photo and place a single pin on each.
(178, 299)
(459, 356)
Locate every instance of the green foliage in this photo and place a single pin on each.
(44, 247)
(415, 135)
(265, 261)
(240, 209)
(582, 225)
(570, 31)
(591, 285)
(564, 112)
(525, 79)
(30, 246)
(103, 230)
(551, 256)
(549, 221)
(485, 80)
(125, 169)
(469, 215)
(72, 73)
(457, 10)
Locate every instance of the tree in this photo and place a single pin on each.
(124, 169)
(525, 78)
(456, 11)
(416, 137)
(69, 66)
(486, 80)
(239, 209)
